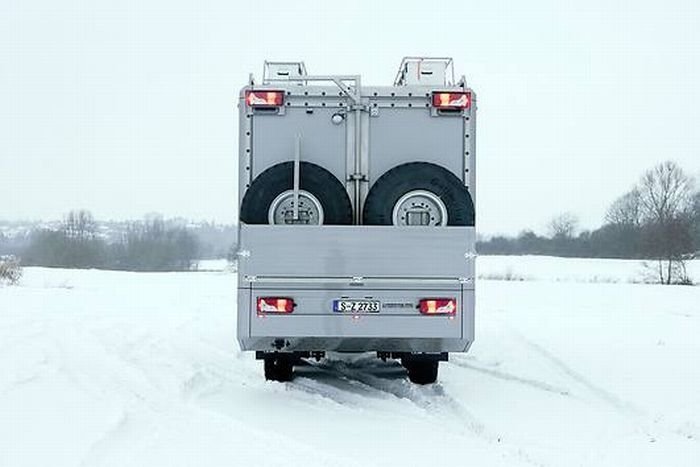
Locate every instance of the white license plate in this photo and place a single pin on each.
(356, 306)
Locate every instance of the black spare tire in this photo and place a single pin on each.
(419, 193)
(318, 188)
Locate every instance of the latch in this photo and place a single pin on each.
(360, 177)
(357, 280)
(361, 107)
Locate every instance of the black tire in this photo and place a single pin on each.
(337, 209)
(278, 368)
(404, 178)
(422, 372)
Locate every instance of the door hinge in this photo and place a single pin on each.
(470, 255)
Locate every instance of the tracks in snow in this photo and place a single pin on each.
(502, 375)
(351, 384)
(624, 407)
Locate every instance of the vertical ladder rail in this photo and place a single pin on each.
(297, 163)
(357, 177)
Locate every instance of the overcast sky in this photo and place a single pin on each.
(128, 107)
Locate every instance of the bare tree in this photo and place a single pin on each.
(563, 226)
(666, 200)
(79, 225)
(666, 192)
(626, 210)
(157, 245)
(696, 222)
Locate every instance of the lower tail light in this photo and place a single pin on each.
(275, 305)
(452, 100)
(438, 306)
(264, 98)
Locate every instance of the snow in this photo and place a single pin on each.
(213, 265)
(105, 368)
(550, 268)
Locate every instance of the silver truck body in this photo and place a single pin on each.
(357, 133)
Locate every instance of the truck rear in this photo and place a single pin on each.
(356, 216)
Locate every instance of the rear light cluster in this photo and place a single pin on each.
(275, 305)
(452, 100)
(264, 98)
(438, 306)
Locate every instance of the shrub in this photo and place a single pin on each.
(10, 270)
(154, 245)
(55, 248)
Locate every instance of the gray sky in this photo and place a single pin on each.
(128, 107)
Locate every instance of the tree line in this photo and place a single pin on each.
(657, 220)
(152, 244)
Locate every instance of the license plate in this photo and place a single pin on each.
(356, 306)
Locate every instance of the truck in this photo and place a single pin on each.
(357, 219)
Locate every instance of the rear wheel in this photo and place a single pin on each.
(419, 193)
(322, 198)
(422, 372)
(278, 368)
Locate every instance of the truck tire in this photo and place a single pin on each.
(318, 186)
(422, 372)
(419, 193)
(278, 368)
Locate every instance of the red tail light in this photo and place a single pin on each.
(264, 98)
(452, 100)
(438, 306)
(275, 305)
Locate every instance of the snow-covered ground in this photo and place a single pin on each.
(108, 368)
(213, 265)
(550, 268)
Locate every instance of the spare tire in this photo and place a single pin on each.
(419, 193)
(322, 198)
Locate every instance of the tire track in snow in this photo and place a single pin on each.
(432, 400)
(639, 417)
(533, 383)
(338, 389)
(606, 396)
(393, 384)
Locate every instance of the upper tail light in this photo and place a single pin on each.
(275, 305)
(438, 306)
(452, 100)
(265, 98)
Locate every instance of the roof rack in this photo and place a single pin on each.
(283, 71)
(425, 70)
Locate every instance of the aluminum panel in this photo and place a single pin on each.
(356, 251)
(322, 142)
(398, 136)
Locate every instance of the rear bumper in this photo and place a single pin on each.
(313, 326)
(357, 344)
